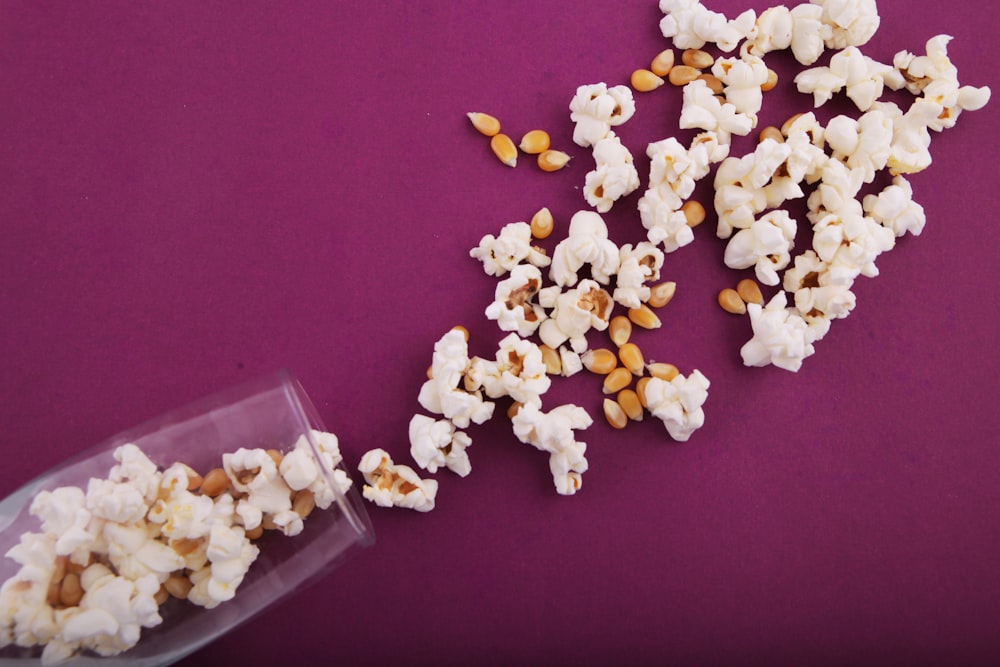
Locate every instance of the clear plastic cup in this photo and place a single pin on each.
(270, 413)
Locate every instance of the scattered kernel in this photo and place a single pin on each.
(771, 82)
(662, 63)
(619, 330)
(631, 357)
(599, 360)
(713, 82)
(644, 317)
(697, 58)
(661, 294)
(484, 123)
(694, 212)
(771, 132)
(551, 359)
(617, 380)
(731, 302)
(628, 399)
(662, 370)
(645, 81)
(749, 291)
(505, 150)
(681, 75)
(542, 223)
(614, 414)
(535, 142)
(552, 160)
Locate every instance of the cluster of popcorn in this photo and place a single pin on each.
(828, 165)
(109, 555)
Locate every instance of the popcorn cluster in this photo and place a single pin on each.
(109, 555)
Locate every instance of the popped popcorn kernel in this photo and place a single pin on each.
(502, 253)
(438, 444)
(765, 245)
(512, 308)
(895, 209)
(390, 485)
(596, 108)
(614, 177)
(780, 336)
(442, 394)
(553, 432)
(678, 403)
(587, 242)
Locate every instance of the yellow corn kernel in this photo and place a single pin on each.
(542, 223)
(661, 294)
(771, 132)
(749, 291)
(484, 123)
(681, 75)
(694, 212)
(629, 402)
(513, 409)
(731, 301)
(645, 81)
(617, 380)
(619, 330)
(614, 414)
(697, 58)
(772, 80)
(631, 357)
(662, 370)
(600, 360)
(713, 82)
(505, 150)
(640, 390)
(644, 317)
(535, 142)
(551, 359)
(552, 160)
(662, 63)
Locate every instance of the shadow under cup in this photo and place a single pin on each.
(270, 413)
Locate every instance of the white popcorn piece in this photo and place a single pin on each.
(596, 108)
(809, 33)
(135, 468)
(772, 31)
(586, 242)
(134, 553)
(740, 183)
(25, 615)
(701, 109)
(111, 614)
(63, 512)
(780, 336)
(391, 485)
(837, 191)
(182, 514)
(230, 555)
(301, 470)
(935, 79)
(691, 25)
(553, 432)
(806, 157)
(518, 372)
(678, 403)
(821, 293)
(862, 78)
(848, 22)
(570, 361)
(614, 177)
(765, 245)
(502, 253)
(894, 208)
(639, 265)
(441, 394)
(666, 225)
(437, 444)
(851, 242)
(578, 310)
(512, 308)
(120, 502)
(742, 79)
(865, 143)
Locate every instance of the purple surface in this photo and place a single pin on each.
(193, 195)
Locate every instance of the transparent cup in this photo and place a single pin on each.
(270, 413)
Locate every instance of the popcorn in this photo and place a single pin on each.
(638, 265)
(570, 361)
(666, 224)
(63, 513)
(848, 22)
(388, 484)
(501, 254)
(436, 443)
(863, 79)
(837, 191)
(702, 109)
(552, 432)
(614, 177)
(586, 243)
(740, 182)
(852, 242)
(441, 393)
(865, 143)
(134, 553)
(587, 306)
(821, 292)
(512, 308)
(596, 108)
(808, 32)
(692, 25)
(678, 403)
(894, 208)
(780, 336)
(181, 514)
(765, 245)
(772, 31)
(743, 78)
(121, 502)
(134, 467)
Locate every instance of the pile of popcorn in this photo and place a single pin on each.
(826, 165)
(108, 555)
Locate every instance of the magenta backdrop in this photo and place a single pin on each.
(192, 194)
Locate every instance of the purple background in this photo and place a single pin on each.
(194, 194)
